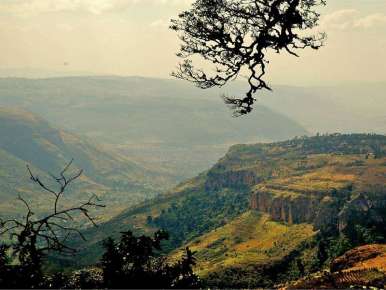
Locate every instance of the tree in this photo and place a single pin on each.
(35, 236)
(234, 35)
(135, 262)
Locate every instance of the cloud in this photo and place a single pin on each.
(351, 19)
(341, 19)
(372, 21)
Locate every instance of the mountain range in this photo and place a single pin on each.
(174, 127)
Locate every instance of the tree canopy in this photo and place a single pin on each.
(234, 35)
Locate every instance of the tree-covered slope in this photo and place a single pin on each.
(27, 139)
(299, 186)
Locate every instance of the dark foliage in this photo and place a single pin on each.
(135, 262)
(199, 213)
(237, 34)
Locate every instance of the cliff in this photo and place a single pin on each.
(340, 190)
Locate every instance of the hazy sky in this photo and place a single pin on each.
(131, 37)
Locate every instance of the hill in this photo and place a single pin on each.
(256, 217)
(28, 139)
(169, 125)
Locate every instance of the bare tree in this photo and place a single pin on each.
(36, 236)
(237, 34)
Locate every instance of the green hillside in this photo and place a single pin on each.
(251, 238)
(256, 212)
(29, 139)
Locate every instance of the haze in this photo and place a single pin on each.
(131, 37)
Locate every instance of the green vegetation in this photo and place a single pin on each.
(305, 185)
(265, 213)
(132, 263)
(250, 239)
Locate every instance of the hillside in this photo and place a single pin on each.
(361, 266)
(29, 139)
(169, 125)
(258, 213)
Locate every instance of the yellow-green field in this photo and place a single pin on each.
(252, 238)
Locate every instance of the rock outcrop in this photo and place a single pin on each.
(292, 210)
(231, 179)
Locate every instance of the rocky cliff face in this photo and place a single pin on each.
(231, 179)
(292, 210)
(342, 208)
(306, 180)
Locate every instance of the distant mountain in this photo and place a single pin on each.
(28, 139)
(253, 217)
(170, 125)
(349, 108)
(167, 124)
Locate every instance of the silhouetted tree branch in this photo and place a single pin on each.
(36, 236)
(237, 34)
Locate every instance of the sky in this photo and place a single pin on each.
(131, 37)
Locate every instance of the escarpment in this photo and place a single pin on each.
(286, 209)
(318, 210)
(305, 180)
(231, 179)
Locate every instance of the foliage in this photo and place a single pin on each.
(233, 35)
(199, 213)
(134, 262)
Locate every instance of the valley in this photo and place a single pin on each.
(260, 215)
(27, 139)
(181, 130)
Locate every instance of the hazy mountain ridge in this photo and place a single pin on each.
(171, 125)
(29, 139)
(346, 108)
(164, 123)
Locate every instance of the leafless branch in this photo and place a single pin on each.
(50, 232)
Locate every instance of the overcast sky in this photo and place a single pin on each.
(131, 37)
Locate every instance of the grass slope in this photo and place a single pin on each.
(250, 239)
